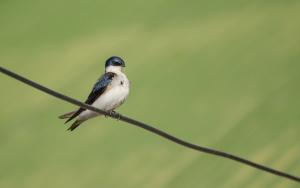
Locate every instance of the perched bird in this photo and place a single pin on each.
(108, 93)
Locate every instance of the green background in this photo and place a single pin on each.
(222, 74)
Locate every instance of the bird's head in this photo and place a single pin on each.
(114, 64)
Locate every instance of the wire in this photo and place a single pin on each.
(150, 128)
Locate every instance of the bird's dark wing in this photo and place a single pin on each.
(98, 89)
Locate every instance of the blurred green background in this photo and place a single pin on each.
(223, 74)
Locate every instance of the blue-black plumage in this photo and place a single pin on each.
(115, 61)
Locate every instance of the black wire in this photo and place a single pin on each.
(150, 128)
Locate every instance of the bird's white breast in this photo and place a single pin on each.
(115, 95)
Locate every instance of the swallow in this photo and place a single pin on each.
(109, 92)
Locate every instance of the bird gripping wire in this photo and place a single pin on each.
(150, 128)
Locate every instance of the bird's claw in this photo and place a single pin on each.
(109, 113)
(113, 114)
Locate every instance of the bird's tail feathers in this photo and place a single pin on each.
(75, 125)
(67, 115)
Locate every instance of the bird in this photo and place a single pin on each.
(108, 93)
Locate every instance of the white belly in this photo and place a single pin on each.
(111, 99)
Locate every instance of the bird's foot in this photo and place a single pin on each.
(108, 113)
(115, 115)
